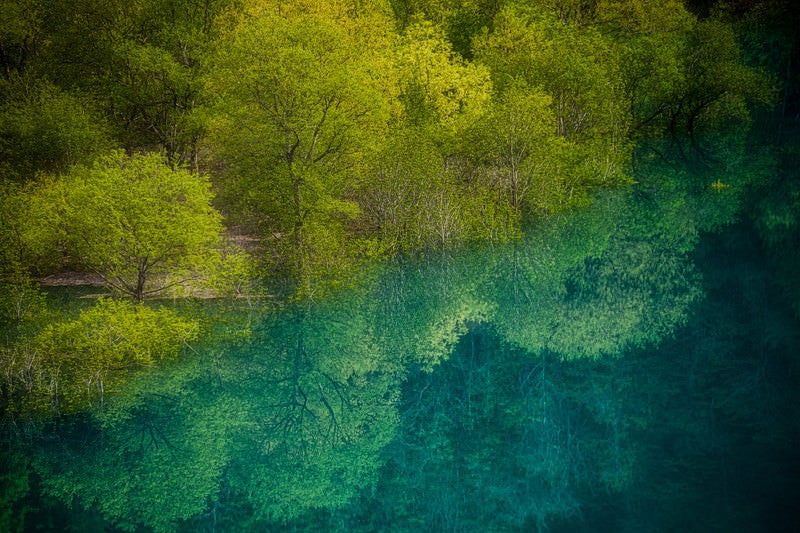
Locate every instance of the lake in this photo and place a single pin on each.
(631, 366)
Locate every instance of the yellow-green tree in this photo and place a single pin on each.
(141, 225)
(46, 129)
(298, 107)
(520, 155)
(416, 195)
(579, 69)
(140, 61)
(439, 89)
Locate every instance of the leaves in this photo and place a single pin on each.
(72, 365)
(135, 221)
(88, 355)
(437, 86)
(46, 129)
(300, 110)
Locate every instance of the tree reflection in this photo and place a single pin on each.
(585, 378)
(292, 420)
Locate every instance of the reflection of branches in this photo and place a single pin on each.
(289, 415)
(145, 428)
(334, 421)
(300, 412)
(547, 444)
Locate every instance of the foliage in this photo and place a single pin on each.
(140, 224)
(459, 347)
(533, 49)
(21, 302)
(45, 129)
(298, 108)
(72, 365)
(20, 34)
(300, 111)
(438, 87)
(520, 155)
(140, 61)
(237, 425)
(235, 275)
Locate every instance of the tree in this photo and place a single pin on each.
(392, 198)
(438, 89)
(415, 193)
(20, 34)
(140, 61)
(521, 156)
(46, 129)
(682, 76)
(579, 69)
(299, 105)
(460, 19)
(720, 88)
(652, 38)
(20, 300)
(141, 225)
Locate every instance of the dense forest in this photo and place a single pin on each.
(398, 265)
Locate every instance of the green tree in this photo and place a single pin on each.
(415, 202)
(652, 38)
(19, 298)
(438, 89)
(579, 69)
(683, 76)
(20, 34)
(141, 225)
(46, 129)
(461, 20)
(299, 105)
(720, 89)
(393, 195)
(140, 61)
(520, 155)
(415, 192)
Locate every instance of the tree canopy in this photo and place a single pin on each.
(140, 224)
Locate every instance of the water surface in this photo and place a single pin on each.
(628, 367)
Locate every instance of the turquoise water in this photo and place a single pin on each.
(628, 367)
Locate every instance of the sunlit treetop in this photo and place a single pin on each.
(140, 224)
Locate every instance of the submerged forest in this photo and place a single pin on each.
(399, 265)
